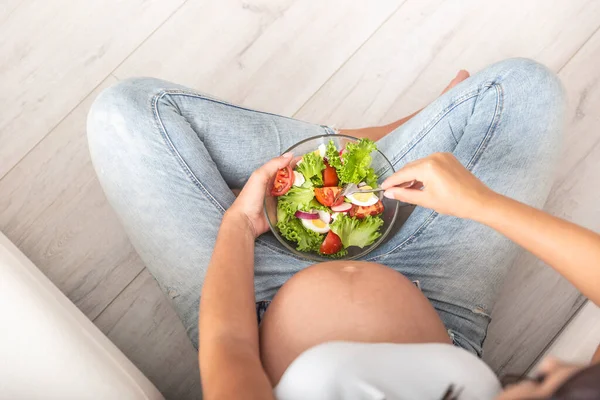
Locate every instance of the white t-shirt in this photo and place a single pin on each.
(378, 371)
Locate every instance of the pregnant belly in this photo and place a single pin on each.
(344, 300)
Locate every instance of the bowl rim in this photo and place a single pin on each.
(315, 256)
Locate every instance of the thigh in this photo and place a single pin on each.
(504, 124)
(167, 158)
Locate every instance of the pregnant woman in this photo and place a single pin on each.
(171, 160)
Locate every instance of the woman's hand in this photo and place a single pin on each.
(249, 204)
(441, 184)
(448, 188)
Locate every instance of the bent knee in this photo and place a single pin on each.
(124, 99)
(119, 112)
(532, 78)
(538, 95)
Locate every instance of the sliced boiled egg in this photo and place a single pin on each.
(363, 199)
(298, 179)
(321, 150)
(324, 216)
(315, 225)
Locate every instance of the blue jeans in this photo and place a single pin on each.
(168, 157)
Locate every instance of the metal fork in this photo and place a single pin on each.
(352, 188)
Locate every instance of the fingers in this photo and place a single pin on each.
(268, 170)
(295, 160)
(410, 172)
(548, 365)
(258, 181)
(420, 170)
(275, 164)
(406, 195)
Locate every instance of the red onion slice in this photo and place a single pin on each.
(306, 215)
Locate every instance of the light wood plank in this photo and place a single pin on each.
(7, 7)
(280, 54)
(579, 339)
(420, 49)
(533, 306)
(581, 78)
(54, 53)
(144, 326)
(404, 66)
(53, 209)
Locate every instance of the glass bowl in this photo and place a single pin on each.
(382, 167)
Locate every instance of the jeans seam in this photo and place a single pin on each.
(433, 122)
(452, 133)
(178, 156)
(429, 126)
(470, 165)
(185, 93)
(187, 170)
(498, 111)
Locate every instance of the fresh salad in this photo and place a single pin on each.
(309, 211)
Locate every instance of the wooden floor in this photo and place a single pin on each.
(579, 340)
(328, 61)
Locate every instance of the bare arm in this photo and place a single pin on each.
(229, 354)
(449, 188)
(571, 250)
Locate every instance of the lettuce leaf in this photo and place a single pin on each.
(356, 163)
(307, 184)
(293, 230)
(285, 212)
(357, 232)
(297, 197)
(312, 167)
(333, 156)
(371, 178)
(289, 226)
(342, 253)
(315, 205)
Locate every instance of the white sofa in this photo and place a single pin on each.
(49, 349)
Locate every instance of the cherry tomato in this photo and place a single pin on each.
(326, 195)
(330, 177)
(283, 181)
(332, 244)
(362, 211)
(339, 201)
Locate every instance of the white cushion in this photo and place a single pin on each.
(49, 349)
